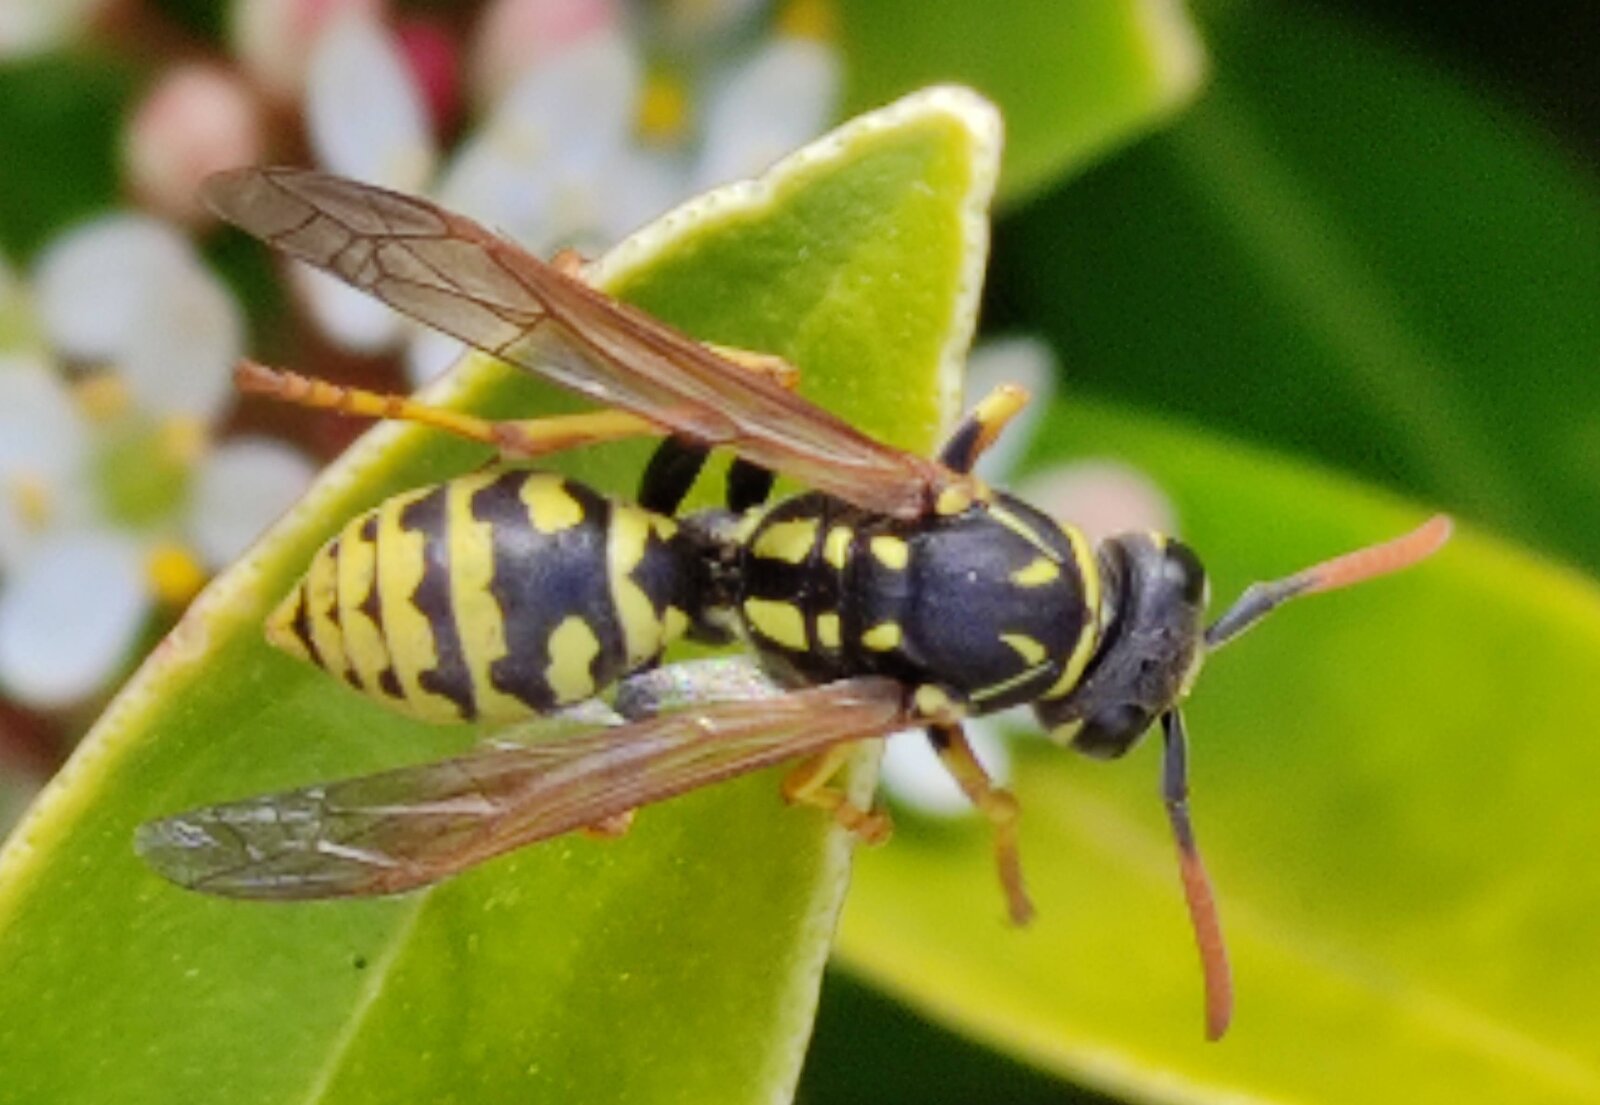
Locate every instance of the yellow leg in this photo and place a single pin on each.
(516, 439)
(808, 785)
(995, 803)
(568, 262)
(770, 365)
(982, 427)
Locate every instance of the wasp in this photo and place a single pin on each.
(899, 593)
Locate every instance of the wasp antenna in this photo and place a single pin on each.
(1260, 599)
(1196, 884)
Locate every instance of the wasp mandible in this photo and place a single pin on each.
(901, 592)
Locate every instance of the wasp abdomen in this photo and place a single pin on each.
(490, 597)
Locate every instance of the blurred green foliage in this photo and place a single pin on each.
(61, 122)
(1343, 252)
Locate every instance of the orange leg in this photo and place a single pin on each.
(610, 828)
(995, 803)
(808, 784)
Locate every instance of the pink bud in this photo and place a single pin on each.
(434, 58)
(196, 121)
(273, 38)
(514, 34)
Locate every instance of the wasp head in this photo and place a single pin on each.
(1153, 599)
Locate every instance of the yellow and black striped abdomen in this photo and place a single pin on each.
(490, 597)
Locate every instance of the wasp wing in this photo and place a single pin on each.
(454, 275)
(380, 834)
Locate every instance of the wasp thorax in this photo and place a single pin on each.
(1153, 596)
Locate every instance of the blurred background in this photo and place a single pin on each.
(1361, 234)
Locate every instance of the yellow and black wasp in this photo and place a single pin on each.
(900, 593)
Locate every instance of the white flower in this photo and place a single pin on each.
(1100, 497)
(580, 147)
(34, 26)
(109, 488)
(273, 38)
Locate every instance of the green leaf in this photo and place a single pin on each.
(680, 963)
(60, 114)
(1391, 786)
(1074, 78)
(1345, 252)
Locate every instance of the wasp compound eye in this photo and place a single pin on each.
(1112, 731)
(1181, 571)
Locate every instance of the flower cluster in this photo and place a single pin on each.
(113, 496)
(562, 123)
(594, 120)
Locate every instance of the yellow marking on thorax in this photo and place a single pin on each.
(836, 549)
(480, 622)
(1038, 572)
(882, 637)
(1006, 686)
(1031, 651)
(322, 582)
(643, 634)
(828, 630)
(891, 552)
(551, 508)
(953, 500)
(407, 632)
(1089, 635)
(789, 541)
(777, 621)
(573, 647)
(363, 637)
(1020, 527)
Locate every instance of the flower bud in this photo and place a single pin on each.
(196, 121)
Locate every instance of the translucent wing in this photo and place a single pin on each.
(401, 829)
(454, 275)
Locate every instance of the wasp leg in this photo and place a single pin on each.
(982, 427)
(677, 462)
(775, 368)
(569, 262)
(610, 828)
(672, 470)
(808, 785)
(516, 440)
(749, 485)
(995, 803)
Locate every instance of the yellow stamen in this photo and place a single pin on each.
(663, 108)
(173, 573)
(102, 397)
(814, 19)
(183, 439)
(30, 496)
